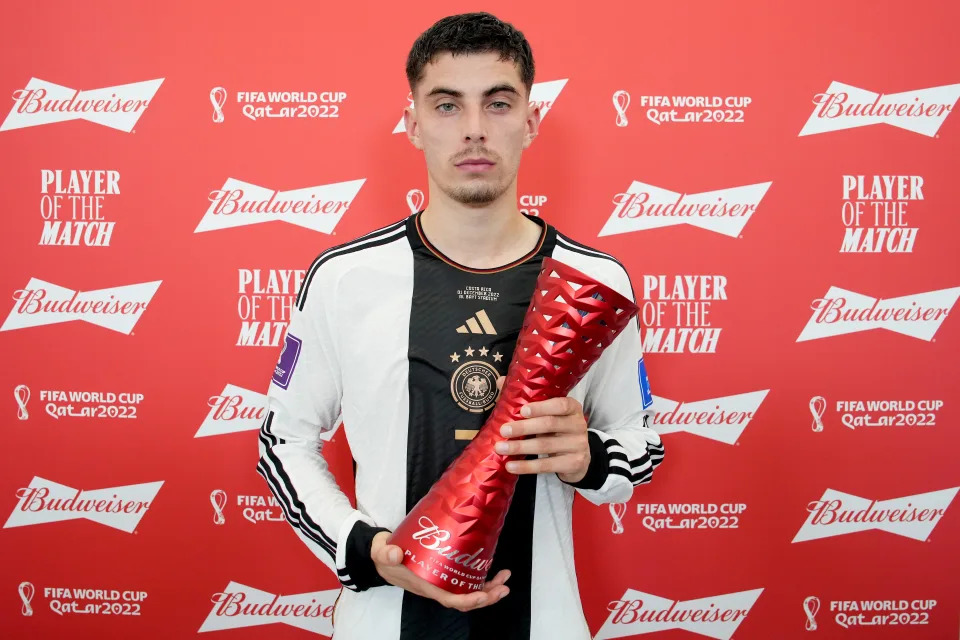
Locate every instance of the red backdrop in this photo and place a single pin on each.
(798, 322)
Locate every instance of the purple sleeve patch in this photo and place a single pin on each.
(288, 361)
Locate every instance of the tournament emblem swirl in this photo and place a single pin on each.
(218, 499)
(818, 404)
(621, 100)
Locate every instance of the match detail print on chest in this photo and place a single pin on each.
(464, 327)
(477, 357)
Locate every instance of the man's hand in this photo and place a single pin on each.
(561, 434)
(387, 558)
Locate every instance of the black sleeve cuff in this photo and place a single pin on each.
(359, 565)
(599, 465)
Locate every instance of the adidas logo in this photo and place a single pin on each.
(478, 323)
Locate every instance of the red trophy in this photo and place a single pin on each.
(450, 535)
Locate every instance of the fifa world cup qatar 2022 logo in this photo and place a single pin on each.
(218, 500)
(21, 393)
(26, 592)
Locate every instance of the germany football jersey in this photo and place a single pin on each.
(404, 346)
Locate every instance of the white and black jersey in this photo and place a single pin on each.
(395, 339)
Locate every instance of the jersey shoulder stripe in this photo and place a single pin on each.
(572, 245)
(375, 238)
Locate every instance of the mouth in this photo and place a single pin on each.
(475, 164)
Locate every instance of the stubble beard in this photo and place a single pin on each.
(475, 194)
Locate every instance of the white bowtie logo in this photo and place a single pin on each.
(715, 617)
(116, 308)
(643, 206)
(239, 204)
(44, 501)
(722, 419)
(838, 513)
(844, 106)
(841, 311)
(42, 102)
(240, 606)
(238, 409)
(235, 409)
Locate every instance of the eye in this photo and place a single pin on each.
(501, 102)
(440, 106)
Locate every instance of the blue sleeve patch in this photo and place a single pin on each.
(644, 384)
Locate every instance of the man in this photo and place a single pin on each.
(404, 333)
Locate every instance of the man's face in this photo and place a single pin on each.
(472, 108)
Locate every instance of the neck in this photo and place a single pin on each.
(479, 236)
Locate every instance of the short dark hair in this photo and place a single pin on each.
(465, 33)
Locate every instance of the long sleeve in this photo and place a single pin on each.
(303, 401)
(624, 448)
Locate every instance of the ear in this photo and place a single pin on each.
(532, 126)
(412, 126)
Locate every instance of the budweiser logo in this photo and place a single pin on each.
(42, 102)
(117, 308)
(845, 107)
(235, 409)
(542, 94)
(840, 311)
(239, 203)
(837, 513)
(644, 206)
(241, 606)
(117, 507)
(430, 536)
(715, 617)
(722, 419)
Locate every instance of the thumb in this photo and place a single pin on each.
(500, 383)
(391, 554)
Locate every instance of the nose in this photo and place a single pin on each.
(474, 124)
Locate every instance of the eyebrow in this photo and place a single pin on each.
(505, 87)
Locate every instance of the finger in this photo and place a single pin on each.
(563, 463)
(492, 592)
(498, 593)
(467, 601)
(562, 406)
(499, 579)
(500, 383)
(542, 425)
(495, 590)
(543, 445)
(463, 602)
